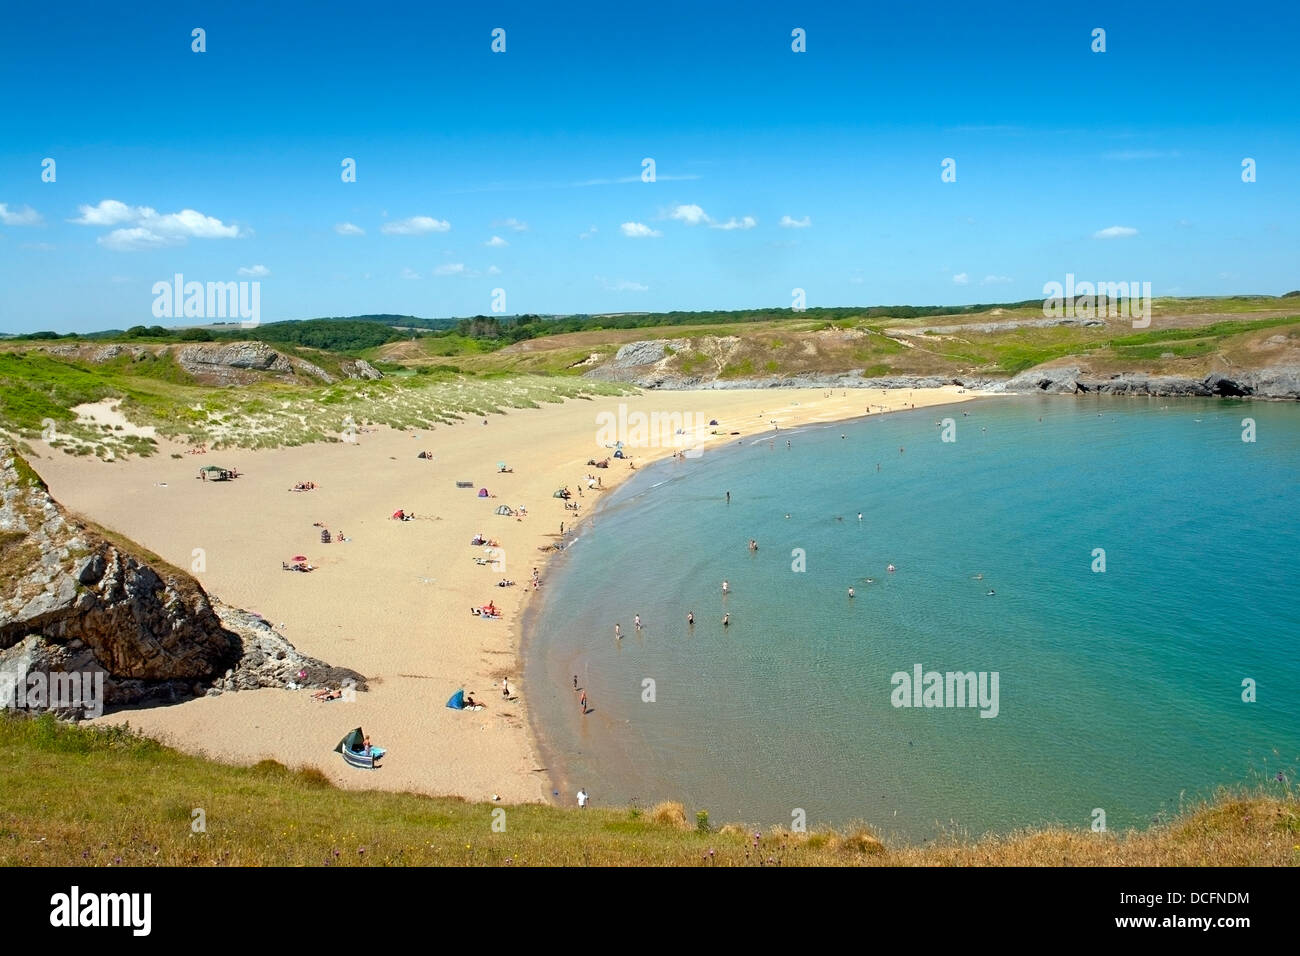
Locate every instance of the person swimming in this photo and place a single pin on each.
(753, 545)
(726, 588)
(850, 592)
(891, 568)
(991, 592)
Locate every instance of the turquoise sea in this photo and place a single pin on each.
(1118, 690)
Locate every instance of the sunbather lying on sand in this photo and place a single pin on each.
(326, 694)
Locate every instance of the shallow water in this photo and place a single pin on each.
(1118, 690)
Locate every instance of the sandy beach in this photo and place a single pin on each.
(393, 602)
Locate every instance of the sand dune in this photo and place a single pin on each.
(394, 602)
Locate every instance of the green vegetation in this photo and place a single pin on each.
(134, 803)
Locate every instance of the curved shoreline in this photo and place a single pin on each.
(544, 746)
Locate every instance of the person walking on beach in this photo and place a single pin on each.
(582, 703)
(575, 681)
(505, 687)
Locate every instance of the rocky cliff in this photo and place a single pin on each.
(75, 598)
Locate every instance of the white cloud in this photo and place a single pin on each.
(996, 280)
(149, 229)
(493, 271)
(257, 271)
(27, 216)
(496, 242)
(749, 222)
(512, 223)
(638, 230)
(450, 269)
(407, 273)
(110, 212)
(589, 233)
(689, 213)
(348, 229)
(415, 226)
(961, 278)
(622, 285)
(789, 223)
(132, 240)
(1115, 232)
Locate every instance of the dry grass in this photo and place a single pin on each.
(82, 797)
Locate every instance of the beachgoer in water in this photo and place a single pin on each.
(690, 618)
(850, 592)
(891, 568)
(636, 621)
(859, 515)
(618, 632)
(728, 497)
(726, 620)
(726, 588)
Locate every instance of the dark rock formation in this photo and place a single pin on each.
(75, 598)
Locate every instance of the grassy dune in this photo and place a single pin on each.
(86, 797)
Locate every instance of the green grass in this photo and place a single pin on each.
(72, 795)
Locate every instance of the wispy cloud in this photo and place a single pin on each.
(1115, 232)
(496, 242)
(622, 285)
(961, 278)
(259, 271)
(589, 233)
(415, 226)
(348, 229)
(788, 222)
(996, 280)
(1128, 155)
(638, 230)
(408, 273)
(27, 216)
(748, 222)
(512, 223)
(460, 270)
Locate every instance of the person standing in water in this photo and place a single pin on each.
(690, 618)
(850, 592)
(636, 621)
(726, 620)
(726, 588)
(728, 497)
(618, 632)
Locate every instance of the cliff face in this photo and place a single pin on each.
(74, 598)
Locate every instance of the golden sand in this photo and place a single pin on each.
(394, 601)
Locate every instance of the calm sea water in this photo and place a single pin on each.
(1119, 690)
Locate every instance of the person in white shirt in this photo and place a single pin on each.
(582, 799)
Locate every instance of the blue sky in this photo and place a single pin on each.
(170, 161)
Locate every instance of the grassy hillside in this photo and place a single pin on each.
(86, 797)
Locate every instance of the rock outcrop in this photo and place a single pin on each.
(77, 599)
(1279, 382)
